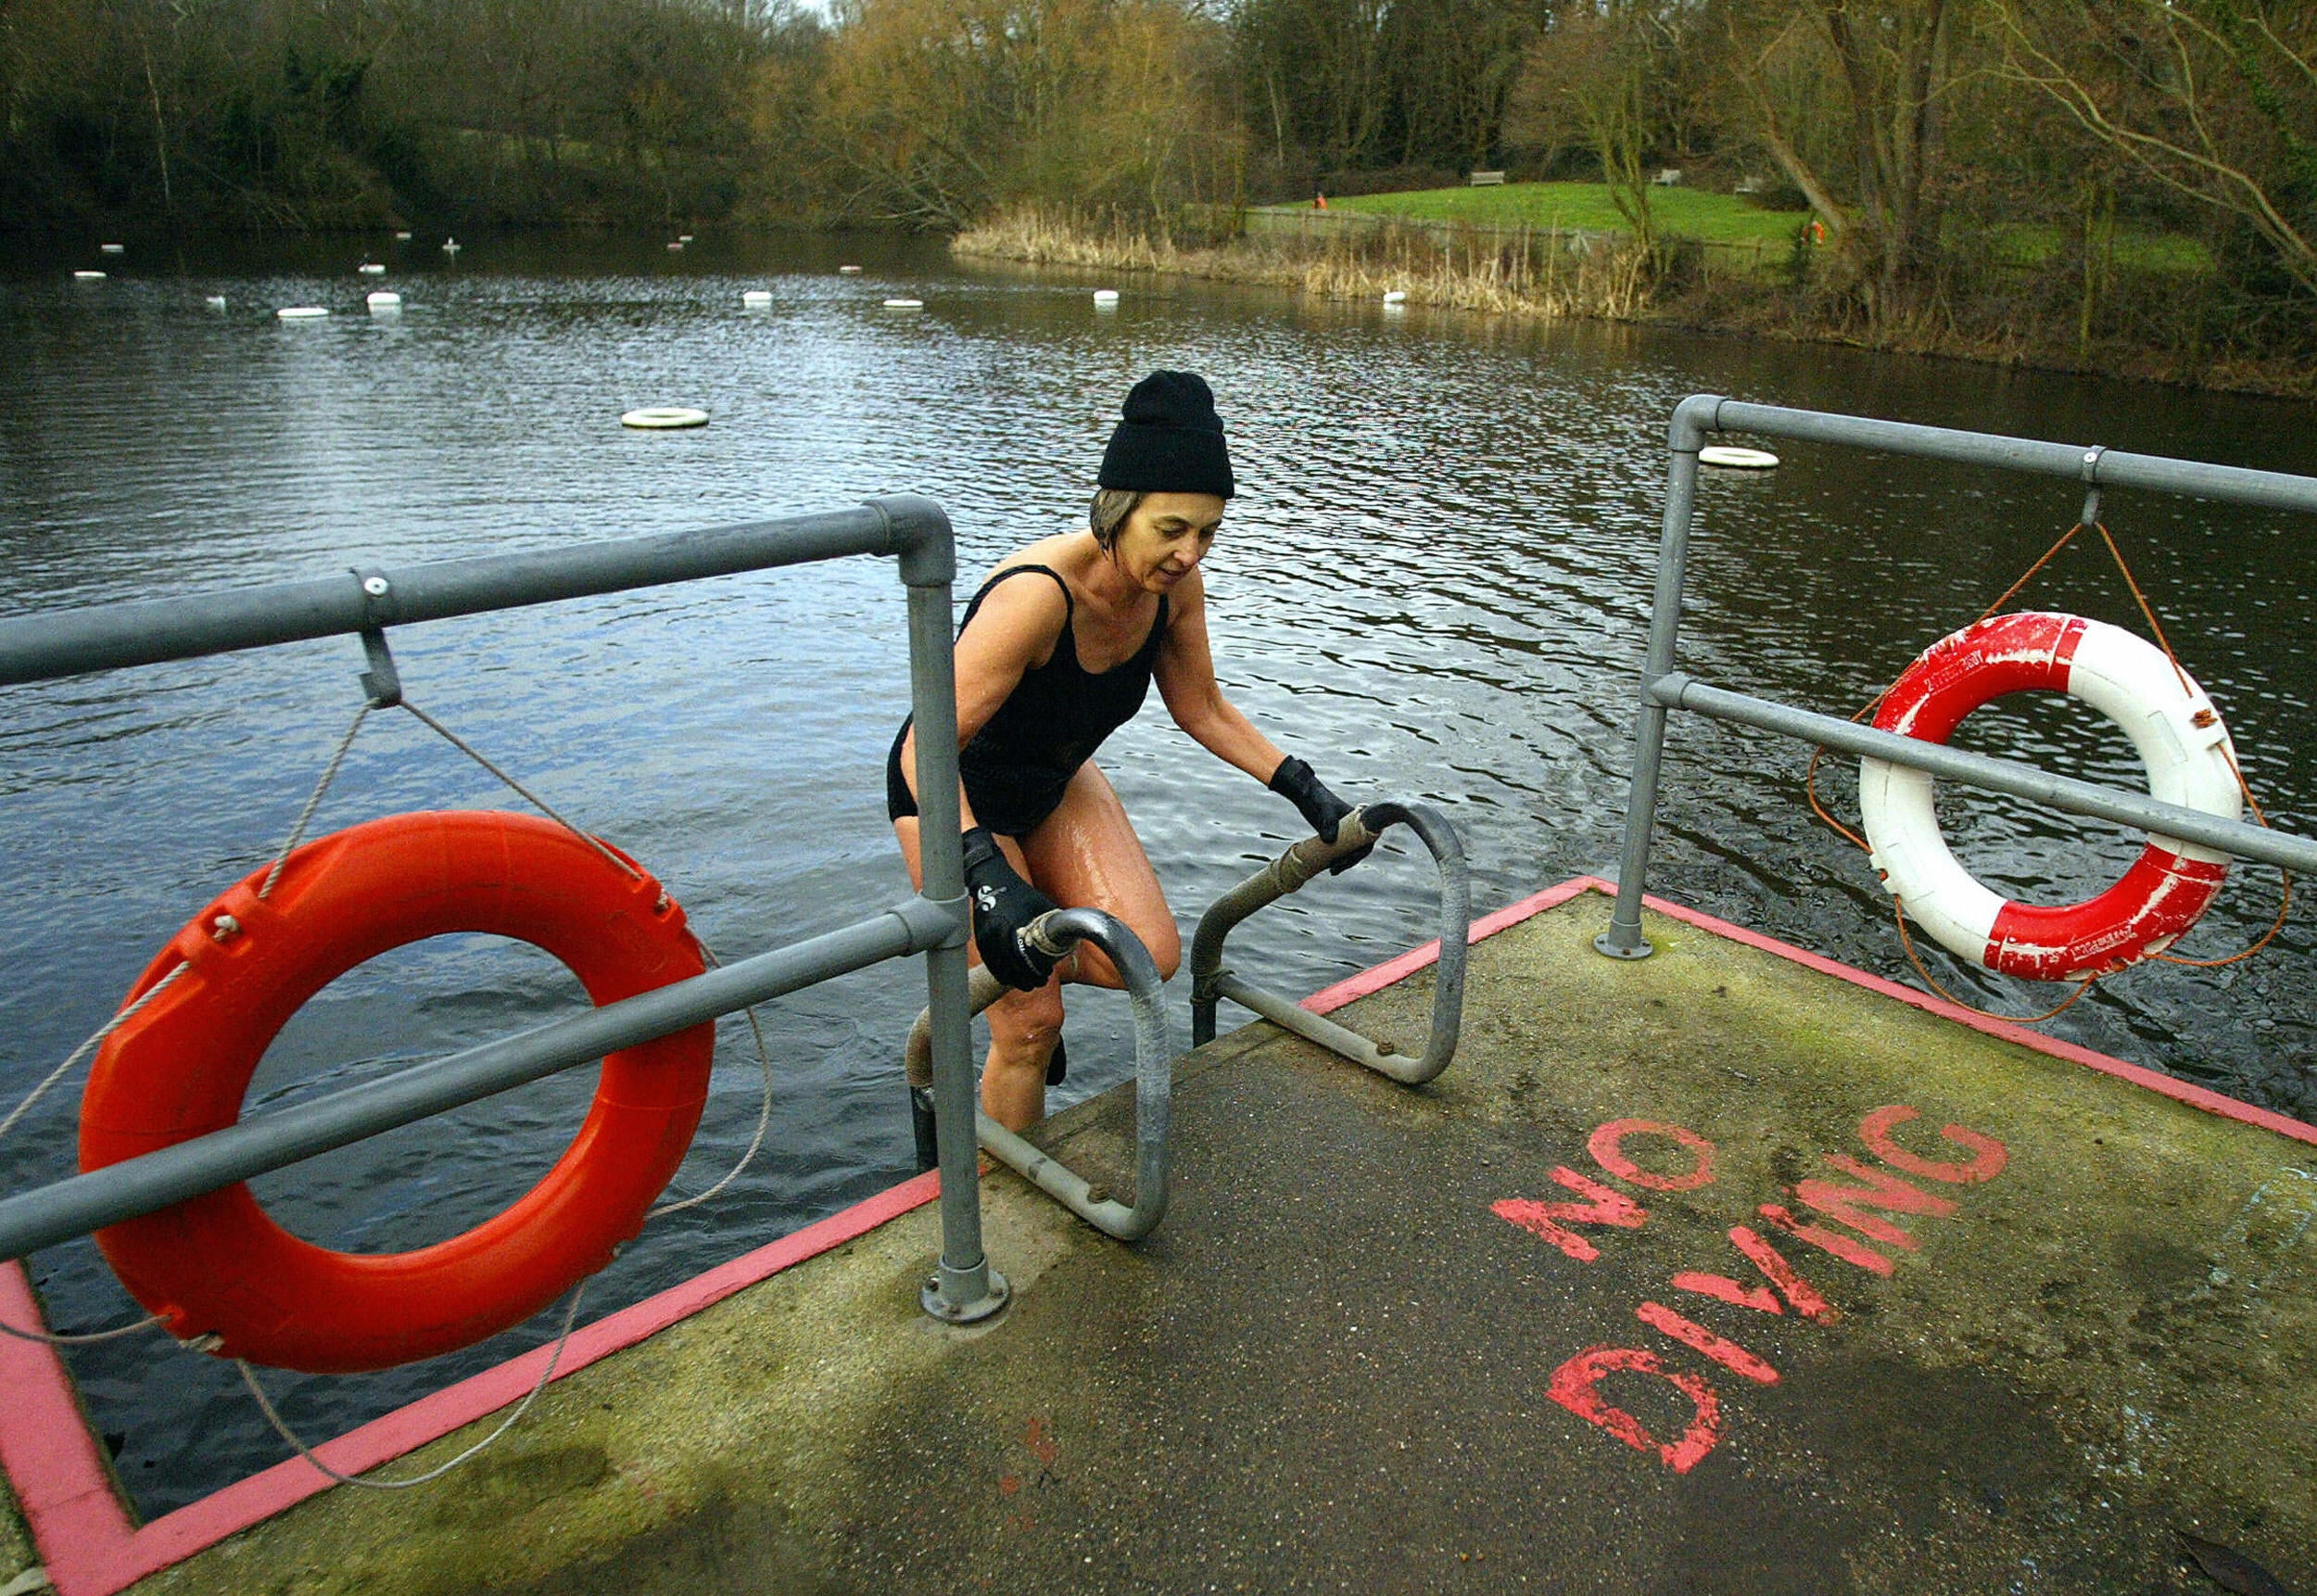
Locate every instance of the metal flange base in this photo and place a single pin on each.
(988, 1306)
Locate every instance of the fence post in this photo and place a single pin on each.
(1693, 418)
(963, 1286)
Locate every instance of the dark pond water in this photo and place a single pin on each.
(1434, 585)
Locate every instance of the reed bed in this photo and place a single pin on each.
(1540, 273)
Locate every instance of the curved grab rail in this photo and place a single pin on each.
(1287, 873)
(1054, 933)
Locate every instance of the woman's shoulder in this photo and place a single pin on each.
(1025, 595)
(1058, 555)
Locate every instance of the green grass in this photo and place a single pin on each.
(1727, 218)
(2031, 244)
(1714, 218)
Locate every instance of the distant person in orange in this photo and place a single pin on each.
(1318, 200)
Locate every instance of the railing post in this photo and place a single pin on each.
(1692, 419)
(963, 1286)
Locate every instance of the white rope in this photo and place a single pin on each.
(35, 1096)
(297, 831)
(764, 1056)
(562, 1337)
(764, 1113)
(52, 1338)
(273, 875)
(89, 1046)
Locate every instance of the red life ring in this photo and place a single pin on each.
(2171, 722)
(178, 1068)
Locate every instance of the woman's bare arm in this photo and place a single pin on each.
(1185, 673)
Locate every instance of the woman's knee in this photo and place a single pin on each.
(1023, 1017)
(1159, 939)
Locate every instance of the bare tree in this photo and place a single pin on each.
(1877, 70)
(2212, 99)
(1595, 78)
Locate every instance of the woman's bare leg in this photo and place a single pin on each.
(1085, 854)
(1024, 1026)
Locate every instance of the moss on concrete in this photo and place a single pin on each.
(16, 1541)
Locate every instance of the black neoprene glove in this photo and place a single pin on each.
(1322, 810)
(1002, 906)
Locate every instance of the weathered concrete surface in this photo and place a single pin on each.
(1329, 1369)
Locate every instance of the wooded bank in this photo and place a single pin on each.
(2133, 182)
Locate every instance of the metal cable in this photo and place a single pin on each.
(305, 816)
(562, 1337)
(525, 793)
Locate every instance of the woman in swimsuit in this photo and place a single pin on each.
(1057, 651)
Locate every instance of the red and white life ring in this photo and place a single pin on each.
(2179, 736)
(178, 1068)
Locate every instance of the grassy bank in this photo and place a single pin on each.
(1734, 221)
(2150, 312)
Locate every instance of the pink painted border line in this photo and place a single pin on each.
(91, 1549)
(1377, 976)
(84, 1533)
(2211, 1102)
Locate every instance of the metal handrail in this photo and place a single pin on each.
(1663, 688)
(1288, 873)
(365, 601)
(1055, 932)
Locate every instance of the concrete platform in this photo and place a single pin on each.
(1531, 1327)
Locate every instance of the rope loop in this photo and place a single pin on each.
(265, 1405)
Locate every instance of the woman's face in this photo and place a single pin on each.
(1166, 537)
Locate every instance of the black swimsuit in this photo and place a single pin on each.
(1019, 764)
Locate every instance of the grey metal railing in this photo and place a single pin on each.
(1288, 873)
(1054, 933)
(1057, 932)
(41, 647)
(1662, 688)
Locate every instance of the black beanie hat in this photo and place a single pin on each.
(1170, 441)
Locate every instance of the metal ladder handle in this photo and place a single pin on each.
(1210, 981)
(1056, 933)
(916, 1055)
